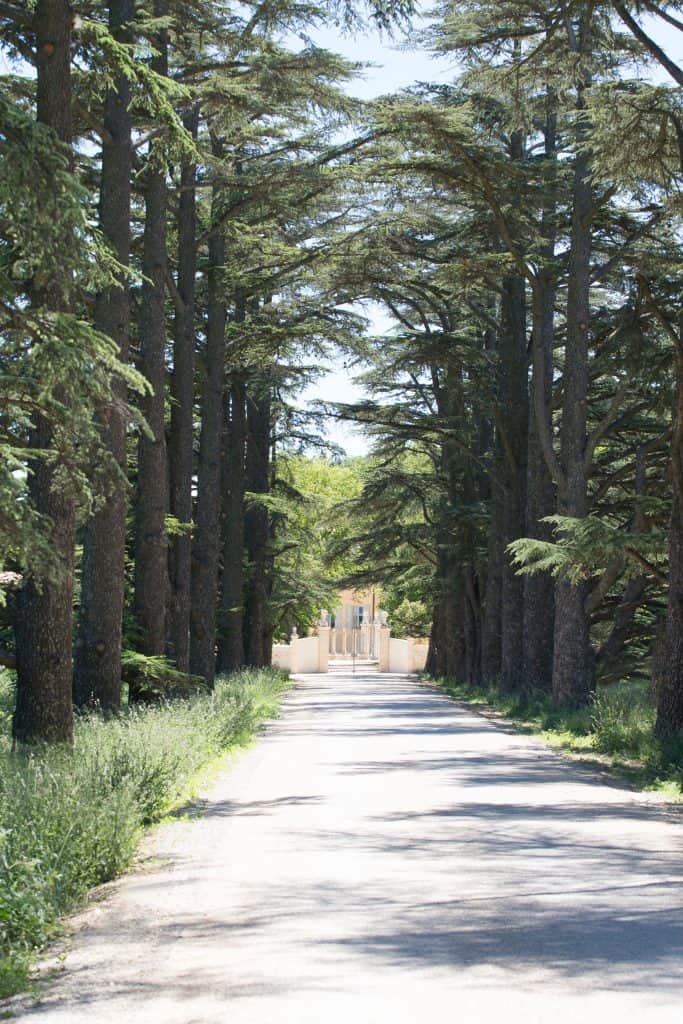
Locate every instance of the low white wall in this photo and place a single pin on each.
(400, 656)
(420, 652)
(302, 654)
(406, 657)
(310, 653)
(282, 654)
(305, 656)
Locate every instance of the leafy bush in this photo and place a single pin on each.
(155, 678)
(623, 721)
(70, 820)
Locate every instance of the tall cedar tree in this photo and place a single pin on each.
(44, 620)
(97, 677)
(151, 565)
(206, 547)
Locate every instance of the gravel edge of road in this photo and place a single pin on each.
(591, 766)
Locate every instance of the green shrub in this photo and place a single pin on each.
(623, 720)
(69, 820)
(154, 679)
(6, 699)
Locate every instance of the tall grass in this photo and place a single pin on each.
(70, 820)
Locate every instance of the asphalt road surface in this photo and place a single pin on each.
(384, 855)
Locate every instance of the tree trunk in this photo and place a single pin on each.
(669, 685)
(572, 661)
(471, 490)
(151, 565)
(491, 492)
(206, 544)
(98, 655)
(44, 621)
(669, 681)
(445, 655)
(539, 588)
(514, 412)
(471, 628)
(181, 435)
(257, 627)
(230, 643)
(493, 604)
(432, 662)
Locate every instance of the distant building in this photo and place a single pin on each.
(351, 623)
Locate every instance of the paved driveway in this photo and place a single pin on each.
(385, 855)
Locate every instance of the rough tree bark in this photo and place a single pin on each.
(470, 613)
(452, 645)
(230, 643)
(572, 658)
(514, 418)
(493, 603)
(485, 438)
(44, 620)
(445, 652)
(151, 567)
(97, 677)
(206, 541)
(180, 447)
(669, 681)
(257, 627)
(470, 618)
(492, 491)
(539, 588)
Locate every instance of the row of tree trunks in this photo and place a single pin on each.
(44, 619)
(97, 677)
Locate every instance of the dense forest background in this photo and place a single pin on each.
(193, 211)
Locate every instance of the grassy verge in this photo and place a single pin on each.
(71, 820)
(615, 731)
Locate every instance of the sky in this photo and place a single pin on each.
(392, 66)
(396, 66)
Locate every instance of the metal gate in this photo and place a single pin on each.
(354, 642)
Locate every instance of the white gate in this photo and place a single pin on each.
(366, 642)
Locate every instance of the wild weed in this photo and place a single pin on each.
(69, 820)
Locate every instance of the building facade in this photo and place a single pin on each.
(353, 624)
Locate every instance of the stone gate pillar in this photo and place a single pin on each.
(293, 645)
(323, 643)
(384, 647)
